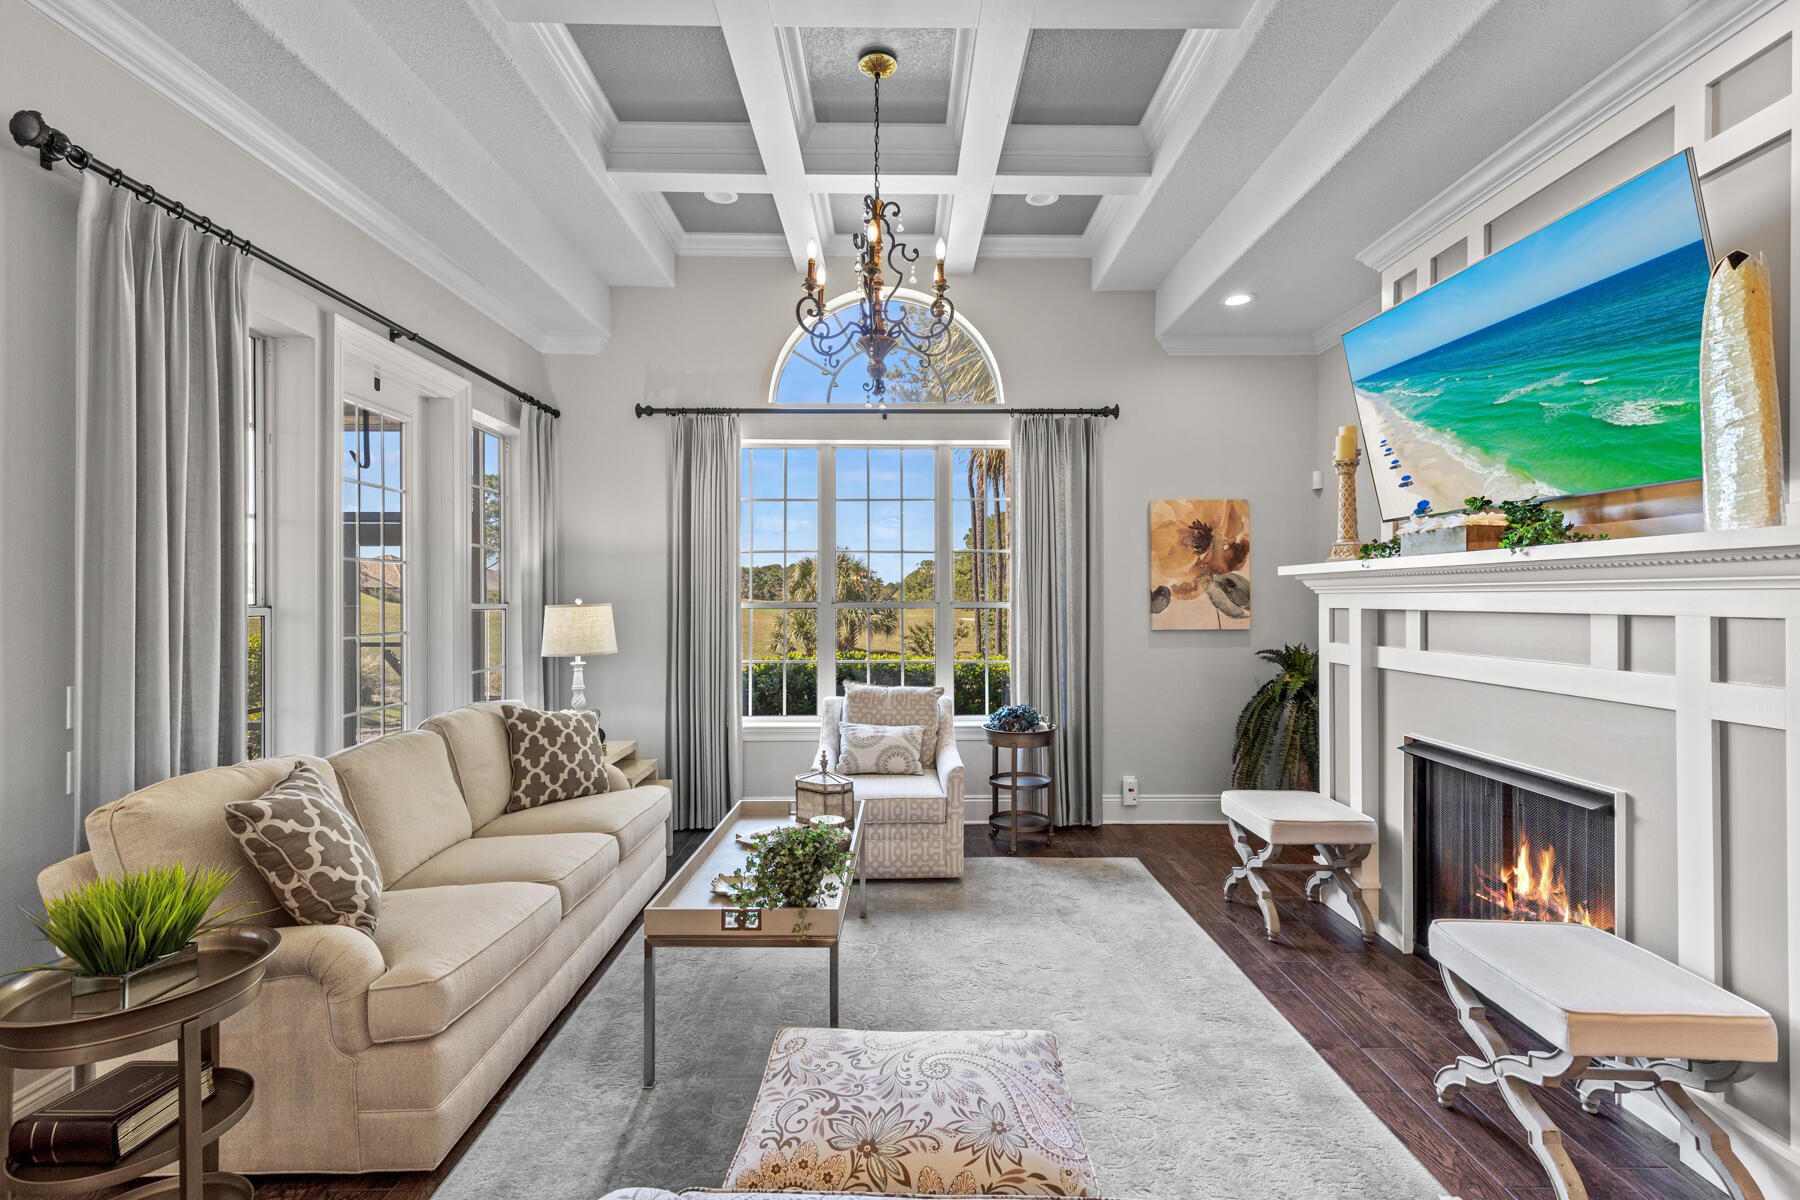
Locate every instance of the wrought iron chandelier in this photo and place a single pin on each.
(881, 322)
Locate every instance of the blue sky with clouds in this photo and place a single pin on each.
(1637, 221)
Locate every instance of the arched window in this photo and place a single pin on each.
(962, 374)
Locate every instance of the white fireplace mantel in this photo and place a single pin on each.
(1666, 668)
(1736, 558)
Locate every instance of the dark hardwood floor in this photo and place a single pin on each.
(1379, 1017)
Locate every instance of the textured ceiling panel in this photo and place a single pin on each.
(917, 213)
(1092, 76)
(1070, 214)
(918, 93)
(663, 72)
(753, 212)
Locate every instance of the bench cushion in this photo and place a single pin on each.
(1298, 818)
(942, 1113)
(1591, 993)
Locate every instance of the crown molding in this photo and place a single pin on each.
(1200, 345)
(1326, 336)
(133, 47)
(1034, 245)
(572, 68)
(1178, 82)
(732, 245)
(1695, 32)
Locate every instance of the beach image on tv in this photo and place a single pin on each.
(1565, 363)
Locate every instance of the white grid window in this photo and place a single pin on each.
(256, 557)
(373, 625)
(778, 544)
(487, 586)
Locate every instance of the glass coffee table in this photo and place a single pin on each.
(686, 912)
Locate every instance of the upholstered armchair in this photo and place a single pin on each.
(912, 824)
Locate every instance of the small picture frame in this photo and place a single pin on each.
(740, 920)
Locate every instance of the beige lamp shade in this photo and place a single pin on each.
(577, 629)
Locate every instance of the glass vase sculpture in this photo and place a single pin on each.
(1740, 423)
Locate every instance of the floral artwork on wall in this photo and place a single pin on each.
(1200, 564)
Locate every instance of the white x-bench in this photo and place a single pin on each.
(1340, 838)
(1618, 1017)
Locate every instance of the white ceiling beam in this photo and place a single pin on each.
(1411, 40)
(883, 14)
(756, 57)
(1001, 38)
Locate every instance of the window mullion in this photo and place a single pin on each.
(825, 624)
(944, 585)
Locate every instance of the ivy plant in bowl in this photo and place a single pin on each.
(130, 938)
(795, 866)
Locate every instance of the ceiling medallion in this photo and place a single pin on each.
(880, 323)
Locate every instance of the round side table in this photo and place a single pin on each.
(39, 1028)
(1018, 783)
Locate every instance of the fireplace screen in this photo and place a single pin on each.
(1496, 842)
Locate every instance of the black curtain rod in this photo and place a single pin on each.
(29, 130)
(1111, 410)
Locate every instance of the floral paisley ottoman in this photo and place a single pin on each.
(953, 1113)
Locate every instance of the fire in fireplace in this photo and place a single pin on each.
(1496, 841)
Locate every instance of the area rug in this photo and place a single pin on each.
(1187, 1082)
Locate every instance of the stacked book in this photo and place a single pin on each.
(104, 1121)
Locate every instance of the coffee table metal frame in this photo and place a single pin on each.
(37, 1032)
(685, 913)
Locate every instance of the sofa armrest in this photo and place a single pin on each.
(950, 777)
(343, 962)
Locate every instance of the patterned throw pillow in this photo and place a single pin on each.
(869, 704)
(555, 755)
(303, 840)
(880, 749)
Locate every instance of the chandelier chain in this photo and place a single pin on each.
(878, 144)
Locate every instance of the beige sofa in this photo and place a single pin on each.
(374, 1054)
(912, 824)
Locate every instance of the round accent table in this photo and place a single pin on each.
(1018, 784)
(39, 1029)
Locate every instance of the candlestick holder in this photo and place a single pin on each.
(1346, 545)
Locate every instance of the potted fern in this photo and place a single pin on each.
(797, 867)
(1278, 730)
(130, 938)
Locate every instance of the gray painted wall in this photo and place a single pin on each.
(1192, 427)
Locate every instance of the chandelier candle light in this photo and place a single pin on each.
(880, 324)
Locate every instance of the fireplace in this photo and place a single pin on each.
(1497, 841)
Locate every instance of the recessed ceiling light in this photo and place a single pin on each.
(1041, 199)
(721, 197)
(1237, 298)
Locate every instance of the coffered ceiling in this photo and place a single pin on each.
(537, 153)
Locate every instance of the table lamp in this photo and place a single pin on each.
(574, 630)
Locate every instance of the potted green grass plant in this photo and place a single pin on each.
(1278, 730)
(130, 938)
(796, 867)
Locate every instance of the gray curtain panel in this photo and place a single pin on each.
(162, 372)
(1056, 596)
(540, 578)
(702, 735)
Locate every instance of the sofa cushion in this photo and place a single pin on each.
(901, 799)
(955, 1113)
(401, 790)
(630, 816)
(572, 863)
(869, 704)
(183, 820)
(303, 840)
(475, 736)
(447, 947)
(555, 755)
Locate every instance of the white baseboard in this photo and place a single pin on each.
(38, 1088)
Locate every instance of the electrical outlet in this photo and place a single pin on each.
(1128, 795)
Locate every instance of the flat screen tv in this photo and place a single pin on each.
(1564, 364)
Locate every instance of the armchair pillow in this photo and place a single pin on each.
(555, 756)
(868, 704)
(302, 839)
(880, 749)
